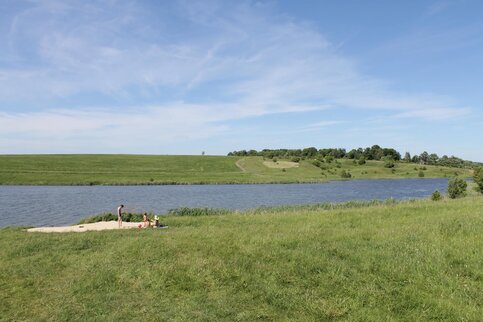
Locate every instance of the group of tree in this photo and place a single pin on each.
(374, 152)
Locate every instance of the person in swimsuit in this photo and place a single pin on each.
(119, 215)
(145, 220)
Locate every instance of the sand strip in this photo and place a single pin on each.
(103, 225)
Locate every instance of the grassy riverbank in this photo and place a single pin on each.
(418, 260)
(157, 169)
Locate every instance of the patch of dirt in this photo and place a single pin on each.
(238, 164)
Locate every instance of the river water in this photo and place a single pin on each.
(65, 205)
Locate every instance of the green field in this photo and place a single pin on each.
(158, 169)
(409, 261)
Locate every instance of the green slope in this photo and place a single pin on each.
(413, 261)
(159, 169)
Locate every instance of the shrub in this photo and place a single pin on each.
(361, 161)
(316, 163)
(295, 159)
(456, 188)
(329, 159)
(421, 174)
(478, 178)
(436, 196)
(389, 164)
(274, 160)
(345, 174)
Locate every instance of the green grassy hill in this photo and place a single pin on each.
(159, 169)
(410, 261)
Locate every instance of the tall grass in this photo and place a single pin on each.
(196, 212)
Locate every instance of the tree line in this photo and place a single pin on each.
(374, 152)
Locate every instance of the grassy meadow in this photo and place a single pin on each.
(162, 169)
(408, 261)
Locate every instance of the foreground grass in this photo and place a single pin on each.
(411, 261)
(159, 169)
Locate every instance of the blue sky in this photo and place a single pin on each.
(181, 77)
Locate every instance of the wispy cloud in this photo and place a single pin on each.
(202, 62)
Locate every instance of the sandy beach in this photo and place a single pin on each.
(103, 225)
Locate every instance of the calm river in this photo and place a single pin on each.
(64, 205)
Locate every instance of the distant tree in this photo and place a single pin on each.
(252, 153)
(415, 159)
(433, 158)
(423, 157)
(338, 153)
(309, 152)
(202, 152)
(407, 157)
(367, 154)
(392, 153)
(352, 154)
(456, 187)
(376, 152)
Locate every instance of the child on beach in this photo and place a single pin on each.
(145, 220)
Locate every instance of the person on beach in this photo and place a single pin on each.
(119, 215)
(156, 221)
(145, 220)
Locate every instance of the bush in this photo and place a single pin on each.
(456, 188)
(345, 174)
(361, 161)
(316, 163)
(274, 160)
(478, 178)
(421, 174)
(436, 196)
(389, 164)
(295, 159)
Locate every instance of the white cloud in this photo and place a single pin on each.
(245, 61)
